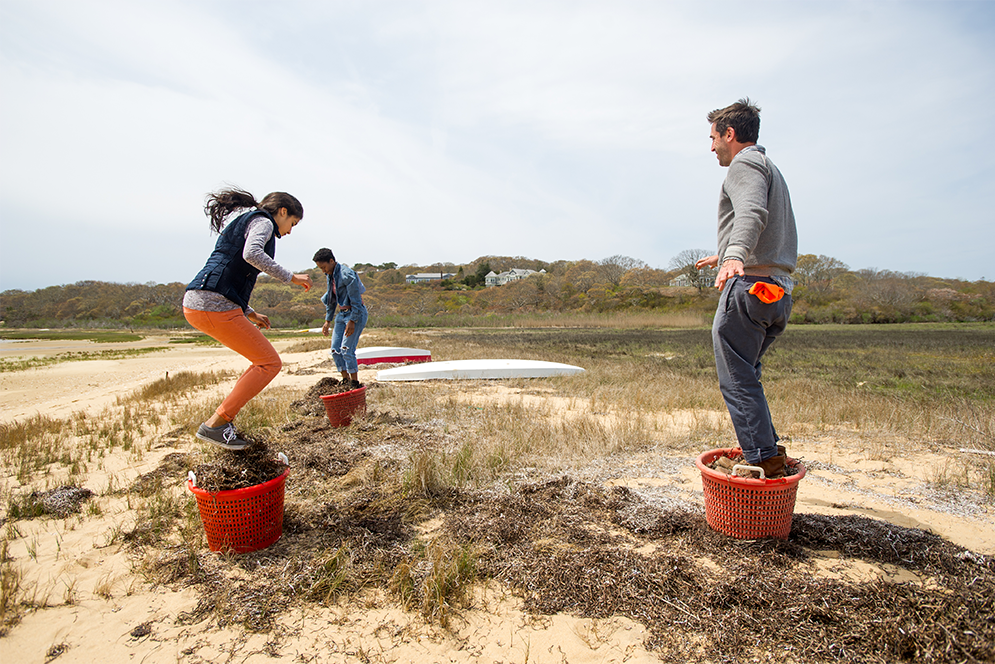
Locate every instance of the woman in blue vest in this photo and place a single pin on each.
(217, 300)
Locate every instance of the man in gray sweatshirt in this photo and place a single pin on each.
(757, 252)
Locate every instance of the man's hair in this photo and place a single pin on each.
(323, 255)
(743, 117)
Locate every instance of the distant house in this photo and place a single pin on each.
(514, 274)
(683, 280)
(422, 277)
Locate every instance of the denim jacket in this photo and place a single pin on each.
(348, 293)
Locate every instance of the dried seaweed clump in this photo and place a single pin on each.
(311, 403)
(59, 502)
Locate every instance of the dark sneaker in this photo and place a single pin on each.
(223, 436)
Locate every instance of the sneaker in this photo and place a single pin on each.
(223, 436)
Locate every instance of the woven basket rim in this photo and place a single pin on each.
(745, 482)
(248, 491)
(326, 397)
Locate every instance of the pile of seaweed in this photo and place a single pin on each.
(231, 470)
(562, 545)
(311, 403)
(59, 502)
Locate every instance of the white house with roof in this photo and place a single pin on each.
(423, 277)
(514, 274)
(684, 280)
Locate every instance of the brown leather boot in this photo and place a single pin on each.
(774, 467)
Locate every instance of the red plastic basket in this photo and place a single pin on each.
(342, 407)
(747, 508)
(242, 520)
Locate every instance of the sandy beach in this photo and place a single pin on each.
(89, 603)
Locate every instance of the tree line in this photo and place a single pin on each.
(827, 291)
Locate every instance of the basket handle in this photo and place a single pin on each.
(192, 476)
(744, 466)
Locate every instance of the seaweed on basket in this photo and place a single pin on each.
(311, 403)
(231, 470)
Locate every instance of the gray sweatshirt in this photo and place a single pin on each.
(756, 223)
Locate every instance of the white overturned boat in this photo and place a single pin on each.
(478, 369)
(378, 354)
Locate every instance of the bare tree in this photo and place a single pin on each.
(819, 273)
(613, 268)
(684, 263)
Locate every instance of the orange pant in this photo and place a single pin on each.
(235, 331)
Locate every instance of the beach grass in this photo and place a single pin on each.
(26, 363)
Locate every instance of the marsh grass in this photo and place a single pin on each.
(832, 380)
(23, 364)
(97, 336)
(308, 345)
(10, 589)
(180, 384)
(436, 579)
(617, 319)
(270, 409)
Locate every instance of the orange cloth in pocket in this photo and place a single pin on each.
(767, 293)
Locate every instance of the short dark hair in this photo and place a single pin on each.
(323, 255)
(743, 117)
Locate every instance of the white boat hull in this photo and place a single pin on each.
(478, 369)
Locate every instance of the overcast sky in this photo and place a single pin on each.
(419, 132)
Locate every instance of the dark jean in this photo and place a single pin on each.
(743, 330)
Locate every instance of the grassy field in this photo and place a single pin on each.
(99, 336)
(500, 478)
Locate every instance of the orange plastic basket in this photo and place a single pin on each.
(342, 407)
(747, 508)
(242, 520)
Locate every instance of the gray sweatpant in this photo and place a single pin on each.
(743, 330)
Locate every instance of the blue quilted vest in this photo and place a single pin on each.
(226, 272)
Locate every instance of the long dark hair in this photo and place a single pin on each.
(221, 204)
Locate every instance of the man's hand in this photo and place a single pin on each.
(350, 327)
(302, 280)
(730, 268)
(710, 261)
(259, 320)
(324, 328)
